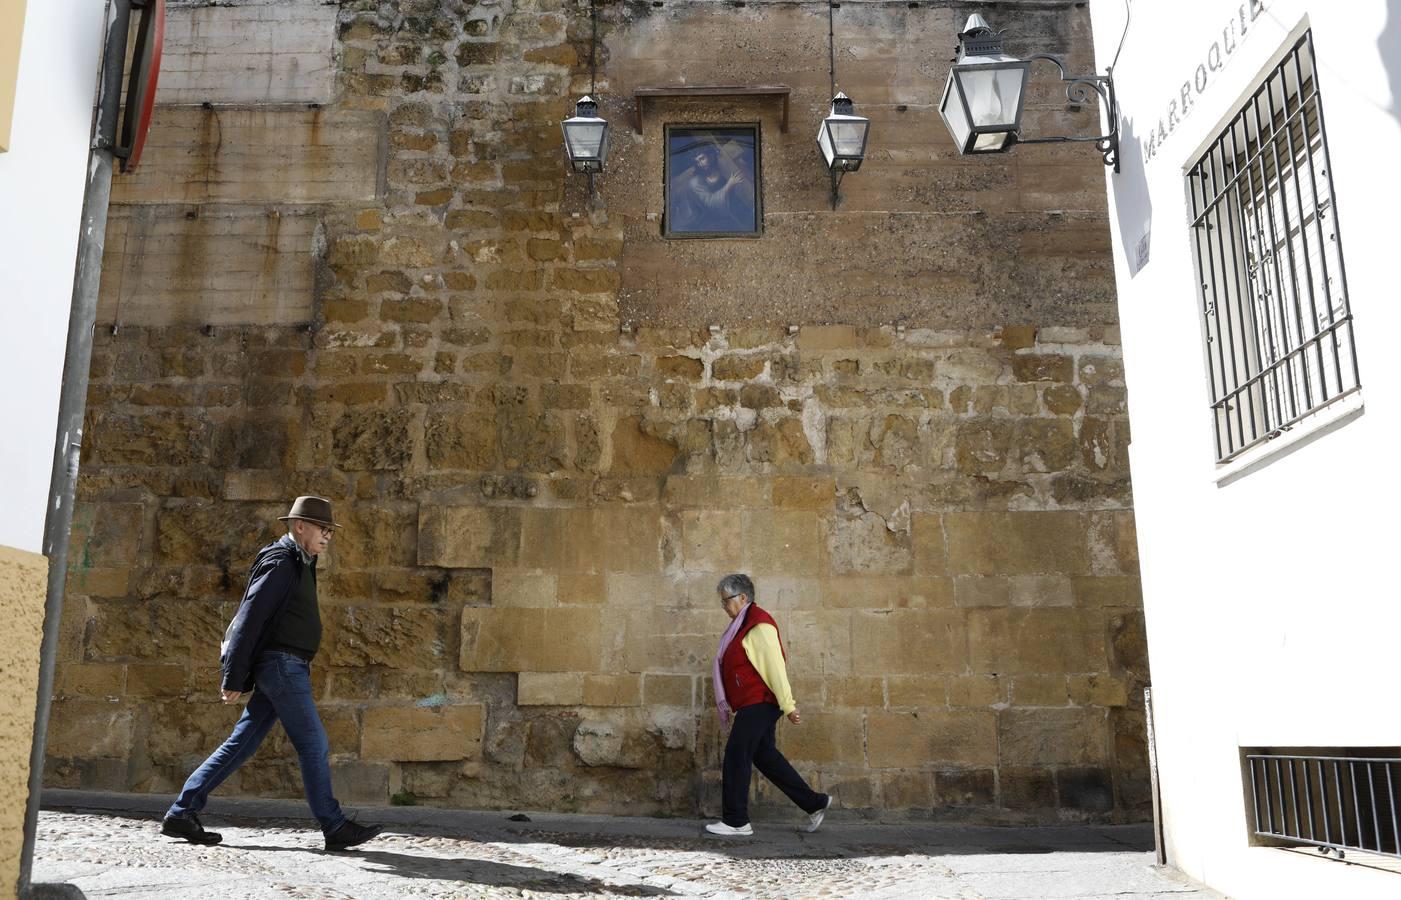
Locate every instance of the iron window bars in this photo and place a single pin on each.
(1276, 322)
(1334, 803)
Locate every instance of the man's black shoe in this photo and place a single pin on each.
(189, 829)
(351, 834)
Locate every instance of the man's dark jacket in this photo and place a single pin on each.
(276, 570)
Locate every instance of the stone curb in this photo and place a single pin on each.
(496, 825)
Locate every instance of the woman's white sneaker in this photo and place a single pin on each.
(815, 820)
(724, 830)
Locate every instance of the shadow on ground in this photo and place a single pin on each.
(483, 873)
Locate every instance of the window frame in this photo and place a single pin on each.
(1240, 265)
(758, 231)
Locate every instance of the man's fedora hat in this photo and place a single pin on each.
(312, 509)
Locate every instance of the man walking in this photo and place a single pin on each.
(751, 681)
(267, 651)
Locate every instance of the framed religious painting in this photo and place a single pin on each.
(712, 182)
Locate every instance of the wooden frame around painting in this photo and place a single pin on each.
(713, 181)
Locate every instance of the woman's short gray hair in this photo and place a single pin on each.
(734, 584)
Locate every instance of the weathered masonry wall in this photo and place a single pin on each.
(549, 432)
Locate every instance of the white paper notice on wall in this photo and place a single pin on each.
(1140, 252)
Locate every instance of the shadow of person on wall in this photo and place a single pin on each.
(1389, 42)
(1133, 206)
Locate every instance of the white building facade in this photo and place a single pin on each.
(1255, 244)
(49, 53)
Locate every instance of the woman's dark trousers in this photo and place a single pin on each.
(751, 745)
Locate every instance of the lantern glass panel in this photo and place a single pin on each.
(848, 136)
(586, 138)
(955, 116)
(993, 93)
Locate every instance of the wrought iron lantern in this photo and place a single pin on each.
(982, 104)
(842, 139)
(985, 96)
(842, 136)
(586, 138)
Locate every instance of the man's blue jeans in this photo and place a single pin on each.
(282, 693)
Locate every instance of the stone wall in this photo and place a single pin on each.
(549, 431)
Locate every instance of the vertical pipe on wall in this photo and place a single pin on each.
(73, 398)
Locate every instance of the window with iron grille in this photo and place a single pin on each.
(1276, 321)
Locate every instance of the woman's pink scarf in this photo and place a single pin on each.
(721, 704)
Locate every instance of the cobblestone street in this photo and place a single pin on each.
(109, 846)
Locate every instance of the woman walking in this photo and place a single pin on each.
(751, 683)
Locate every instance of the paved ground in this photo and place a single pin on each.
(110, 846)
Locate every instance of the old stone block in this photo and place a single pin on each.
(1016, 543)
(419, 734)
(916, 691)
(1050, 737)
(976, 690)
(982, 446)
(155, 680)
(626, 539)
(1043, 367)
(909, 641)
(522, 639)
(907, 790)
(802, 492)
(1098, 690)
(1107, 590)
(779, 542)
(1062, 399)
(711, 540)
(90, 728)
(737, 368)
(1017, 337)
(638, 452)
(1086, 789)
(612, 743)
(687, 368)
(873, 592)
(865, 545)
(549, 689)
(511, 587)
(667, 690)
(1027, 788)
(927, 538)
(826, 738)
(612, 690)
(1036, 641)
(932, 737)
(781, 443)
(855, 691)
(468, 536)
(965, 787)
(1039, 690)
(460, 440)
(79, 679)
(373, 439)
(401, 637)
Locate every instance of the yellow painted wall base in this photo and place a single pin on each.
(23, 581)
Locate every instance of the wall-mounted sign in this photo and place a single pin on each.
(11, 30)
(1203, 76)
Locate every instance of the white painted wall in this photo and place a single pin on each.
(1272, 607)
(41, 195)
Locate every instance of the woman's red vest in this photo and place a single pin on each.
(743, 684)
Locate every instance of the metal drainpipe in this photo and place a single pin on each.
(72, 405)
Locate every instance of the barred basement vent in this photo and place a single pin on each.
(1335, 799)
